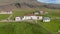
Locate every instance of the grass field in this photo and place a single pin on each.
(28, 28)
(21, 28)
(3, 16)
(53, 26)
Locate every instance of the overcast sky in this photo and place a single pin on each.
(50, 1)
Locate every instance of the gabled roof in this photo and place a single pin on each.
(46, 18)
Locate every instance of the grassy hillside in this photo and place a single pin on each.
(21, 28)
(28, 28)
(29, 4)
(3, 16)
(52, 26)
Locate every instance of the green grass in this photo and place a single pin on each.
(3, 16)
(53, 26)
(28, 28)
(22, 28)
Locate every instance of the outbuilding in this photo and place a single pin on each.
(36, 13)
(6, 12)
(41, 12)
(17, 18)
(46, 19)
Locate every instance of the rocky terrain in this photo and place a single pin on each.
(26, 4)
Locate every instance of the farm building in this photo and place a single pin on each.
(39, 12)
(17, 18)
(5, 12)
(31, 17)
(46, 19)
(39, 17)
(35, 13)
(43, 12)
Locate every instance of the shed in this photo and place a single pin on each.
(46, 19)
(17, 18)
(41, 12)
(36, 12)
(5, 12)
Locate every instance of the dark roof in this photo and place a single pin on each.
(46, 18)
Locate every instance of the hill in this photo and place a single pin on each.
(26, 4)
(35, 4)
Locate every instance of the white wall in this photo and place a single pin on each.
(40, 17)
(46, 20)
(17, 19)
(32, 17)
(26, 18)
(4, 12)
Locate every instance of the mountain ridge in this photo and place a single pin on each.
(31, 4)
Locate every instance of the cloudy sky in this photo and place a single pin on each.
(50, 1)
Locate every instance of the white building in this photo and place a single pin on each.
(6, 12)
(26, 18)
(17, 18)
(40, 17)
(41, 12)
(36, 13)
(46, 19)
(31, 17)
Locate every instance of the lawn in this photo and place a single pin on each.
(3, 16)
(28, 28)
(21, 28)
(53, 26)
